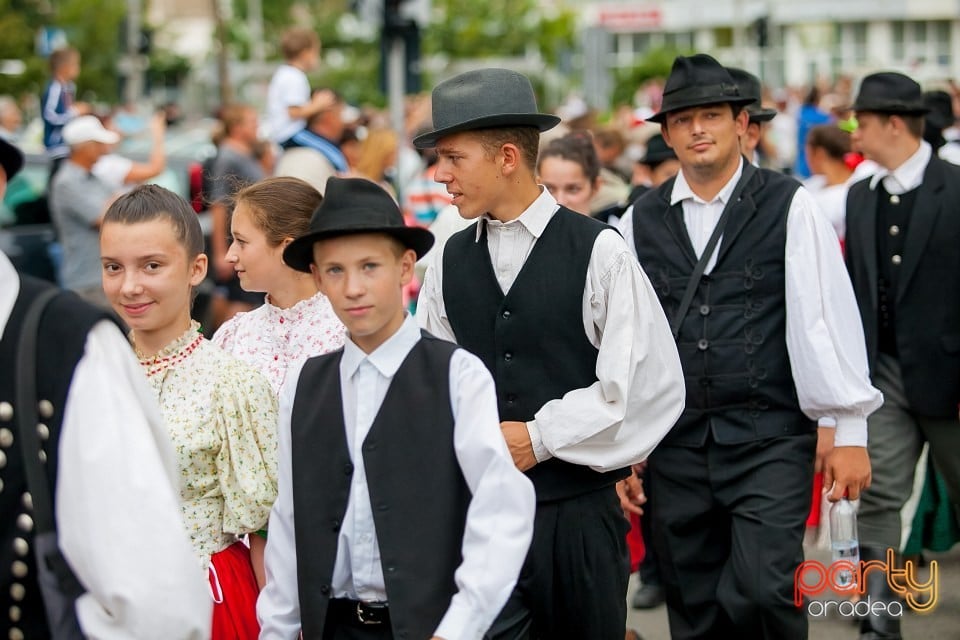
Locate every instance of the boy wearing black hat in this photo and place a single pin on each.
(587, 379)
(399, 512)
(901, 252)
(750, 275)
(749, 87)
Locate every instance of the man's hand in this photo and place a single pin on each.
(824, 447)
(846, 468)
(518, 441)
(630, 492)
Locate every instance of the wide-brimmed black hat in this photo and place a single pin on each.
(657, 151)
(11, 158)
(484, 99)
(890, 92)
(940, 105)
(749, 86)
(350, 206)
(695, 81)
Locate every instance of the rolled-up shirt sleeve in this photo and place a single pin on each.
(825, 339)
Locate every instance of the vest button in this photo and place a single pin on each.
(505, 314)
(508, 356)
(348, 469)
(896, 259)
(325, 589)
(336, 524)
(704, 309)
(894, 230)
(6, 411)
(6, 438)
(511, 398)
(703, 344)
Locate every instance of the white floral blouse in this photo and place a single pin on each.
(275, 340)
(222, 419)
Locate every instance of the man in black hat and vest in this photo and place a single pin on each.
(751, 278)
(115, 561)
(902, 239)
(587, 379)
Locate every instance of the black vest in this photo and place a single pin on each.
(417, 490)
(60, 346)
(893, 219)
(531, 339)
(732, 341)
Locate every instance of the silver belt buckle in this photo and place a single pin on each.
(360, 615)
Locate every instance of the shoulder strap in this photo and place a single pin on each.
(30, 447)
(694, 281)
(26, 395)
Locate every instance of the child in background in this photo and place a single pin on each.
(58, 105)
(289, 102)
(220, 413)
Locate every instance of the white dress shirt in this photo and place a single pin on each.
(117, 512)
(499, 520)
(825, 343)
(908, 176)
(639, 393)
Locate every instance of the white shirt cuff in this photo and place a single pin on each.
(459, 622)
(536, 441)
(851, 432)
(827, 421)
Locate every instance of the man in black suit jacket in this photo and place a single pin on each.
(903, 231)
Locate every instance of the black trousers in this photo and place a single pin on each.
(574, 581)
(728, 532)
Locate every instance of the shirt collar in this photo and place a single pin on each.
(9, 289)
(908, 175)
(386, 358)
(682, 191)
(534, 218)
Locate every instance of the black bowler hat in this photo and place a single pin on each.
(940, 105)
(695, 81)
(749, 86)
(484, 99)
(657, 151)
(11, 158)
(350, 206)
(890, 92)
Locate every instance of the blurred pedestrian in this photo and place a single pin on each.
(318, 161)
(290, 102)
(58, 105)
(902, 257)
(826, 150)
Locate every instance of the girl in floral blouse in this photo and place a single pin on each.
(221, 413)
(296, 321)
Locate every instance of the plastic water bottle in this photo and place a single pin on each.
(844, 541)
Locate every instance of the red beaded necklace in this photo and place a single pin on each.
(158, 364)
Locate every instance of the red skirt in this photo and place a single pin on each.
(234, 589)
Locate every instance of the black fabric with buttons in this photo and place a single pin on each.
(893, 218)
(413, 478)
(531, 339)
(60, 347)
(732, 342)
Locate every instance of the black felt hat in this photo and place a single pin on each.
(749, 86)
(11, 158)
(695, 81)
(940, 105)
(890, 92)
(657, 151)
(482, 99)
(350, 206)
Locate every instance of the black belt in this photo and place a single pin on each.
(355, 612)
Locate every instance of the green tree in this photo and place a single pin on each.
(655, 63)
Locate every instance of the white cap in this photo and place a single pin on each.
(87, 129)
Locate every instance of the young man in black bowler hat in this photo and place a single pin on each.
(399, 513)
(751, 277)
(109, 472)
(587, 378)
(902, 239)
